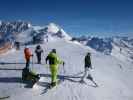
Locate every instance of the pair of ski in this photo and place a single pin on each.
(49, 86)
(86, 83)
(89, 78)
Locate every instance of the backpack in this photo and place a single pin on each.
(52, 60)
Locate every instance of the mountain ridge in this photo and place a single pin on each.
(115, 46)
(26, 33)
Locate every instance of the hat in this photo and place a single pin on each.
(54, 50)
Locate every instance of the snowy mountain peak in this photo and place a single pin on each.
(25, 32)
(52, 28)
(52, 31)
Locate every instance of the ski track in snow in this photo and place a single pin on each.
(114, 83)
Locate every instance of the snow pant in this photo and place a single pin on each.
(38, 58)
(27, 63)
(54, 72)
(86, 74)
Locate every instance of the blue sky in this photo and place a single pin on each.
(78, 17)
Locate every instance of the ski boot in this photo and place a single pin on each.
(90, 77)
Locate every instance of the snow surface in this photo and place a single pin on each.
(113, 76)
(122, 53)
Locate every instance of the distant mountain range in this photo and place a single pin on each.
(120, 47)
(26, 33)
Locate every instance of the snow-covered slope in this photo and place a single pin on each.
(55, 32)
(122, 49)
(113, 76)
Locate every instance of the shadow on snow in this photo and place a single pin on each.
(70, 78)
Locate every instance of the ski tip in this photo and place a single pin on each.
(4, 97)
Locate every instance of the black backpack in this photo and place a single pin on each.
(52, 60)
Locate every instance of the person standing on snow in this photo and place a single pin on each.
(54, 61)
(28, 54)
(88, 66)
(27, 73)
(38, 52)
(17, 45)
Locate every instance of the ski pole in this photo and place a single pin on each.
(47, 68)
(32, 64)
(63, 70)
(43, 56)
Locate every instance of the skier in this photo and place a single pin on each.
(17, 45)
(28, 54)
(87, 68)
(38, 52)
(54, 61)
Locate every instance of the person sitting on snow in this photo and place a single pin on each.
(28, 75)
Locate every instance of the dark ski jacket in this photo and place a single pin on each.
(53, 59)
(38, 51)
(88, 61)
